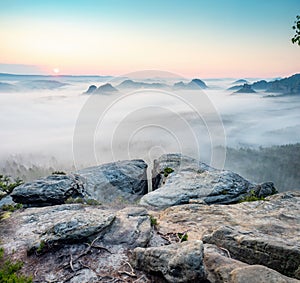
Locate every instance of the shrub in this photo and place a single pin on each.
(7, 184)
(251, 197)
(153, 220)
(183, 237)
(11, 208)
(59, 173)
(168, 171)
(8, 271)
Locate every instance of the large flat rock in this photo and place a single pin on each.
(122, 181)
(179, 179)
(260, 232)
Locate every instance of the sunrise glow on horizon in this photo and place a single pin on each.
(192, 38)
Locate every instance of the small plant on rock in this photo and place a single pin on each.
(9, 271)
(11, 207)
(183, 237)
(59, 173)
(168, 171)
(251, 197)
(7, 184)
(153, 221)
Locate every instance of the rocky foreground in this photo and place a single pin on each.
(198, 224)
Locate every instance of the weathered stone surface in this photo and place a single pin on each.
(182, 262)
(260, 232)
(192, 180)
(258, 273)
(123, 180)
(54, 189)
(54, 226)
(85, 276)
(131, 228)
(221, 268)
(118, 181)
(218, 264)
(254, 248)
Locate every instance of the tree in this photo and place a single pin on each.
(296, 27)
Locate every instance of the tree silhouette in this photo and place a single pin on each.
(296, 27)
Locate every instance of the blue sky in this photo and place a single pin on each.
(210, 38)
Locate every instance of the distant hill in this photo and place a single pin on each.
(105, 89)
(192, 85)
(286, 86)
(290, 85)
(130, 84)
(91, 89)
(241, 81)
(246, 89)
(17, 77)
(235, 88)
(5, 87)
(42, 84)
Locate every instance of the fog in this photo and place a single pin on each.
(62, 129)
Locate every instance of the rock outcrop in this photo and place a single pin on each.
(222, 268)
(116, 181)
(253, 248)
(259, 232)
(255, 241)
(122, 180)
(178, 179)
(54, 189)
(176, 262)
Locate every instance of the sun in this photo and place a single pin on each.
(56, 70)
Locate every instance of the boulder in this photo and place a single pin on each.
(182, 262)
(222, 268)
(251, 248)
(54, 189)
(123, 180)
(258, 232)
(258, 273)
(131, 228)
(179, 179)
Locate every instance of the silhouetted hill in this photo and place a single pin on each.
(245, 89)
(130, 84)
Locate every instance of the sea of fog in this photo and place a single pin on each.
(62, 129)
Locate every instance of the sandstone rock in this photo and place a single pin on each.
(85, 276)
(131, 228)
(54, 189)
(218, 264)
(123, 180)
(181, 262)
(221, 268)
(178, 179)
(253, 248)
(258, 273)
(259, 232)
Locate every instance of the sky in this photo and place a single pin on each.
(192, 38)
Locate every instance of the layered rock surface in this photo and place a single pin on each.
(179, 179)
(244, 242)
(123, 180)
